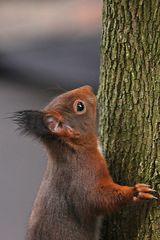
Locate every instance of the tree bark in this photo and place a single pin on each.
(129, 106)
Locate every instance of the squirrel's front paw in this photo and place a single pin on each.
(143, 191)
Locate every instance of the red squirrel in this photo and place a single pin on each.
(77, 188)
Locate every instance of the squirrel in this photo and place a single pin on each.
(77, 188)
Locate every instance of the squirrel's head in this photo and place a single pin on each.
(70, 117)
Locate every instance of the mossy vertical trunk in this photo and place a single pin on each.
(129, 105)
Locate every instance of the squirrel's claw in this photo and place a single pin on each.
(143, 191)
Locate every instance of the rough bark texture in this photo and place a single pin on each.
(129, 105)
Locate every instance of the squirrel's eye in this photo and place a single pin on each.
(79, 106)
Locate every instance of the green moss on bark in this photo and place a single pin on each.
(129, 103)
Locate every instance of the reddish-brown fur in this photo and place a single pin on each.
(77, 188)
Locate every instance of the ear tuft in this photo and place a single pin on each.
(31, 122)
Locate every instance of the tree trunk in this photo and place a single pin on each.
(129, 105)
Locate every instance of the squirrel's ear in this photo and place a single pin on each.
(56, 125)
(31, 122)
(43, 125)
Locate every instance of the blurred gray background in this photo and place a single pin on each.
(46, 48)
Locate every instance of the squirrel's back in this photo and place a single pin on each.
(62, 209)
